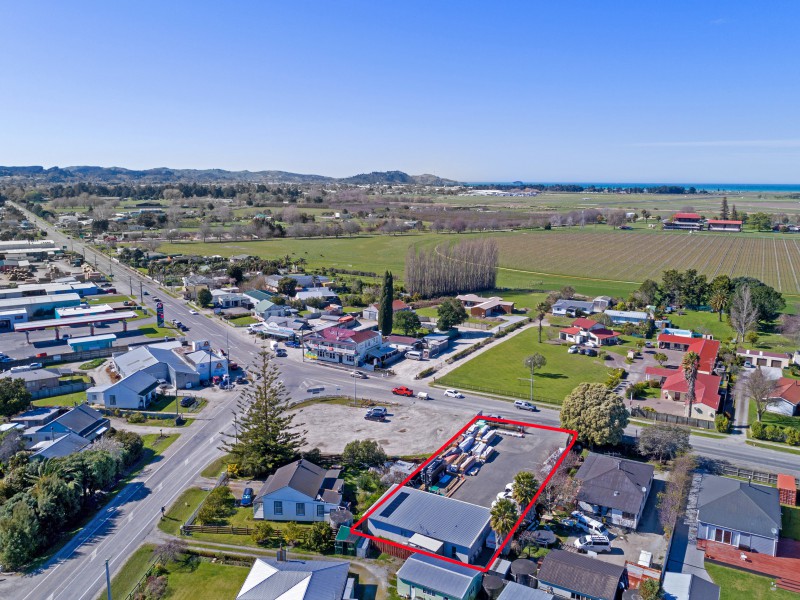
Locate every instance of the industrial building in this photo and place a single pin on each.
(39, 307)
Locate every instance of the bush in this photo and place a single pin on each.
(774, 433)
(793, 437)
(219, 504)
(291, 533)
(136, 418)
(757, 430)
(262, 533)
(722, 423)
(319, 538)
(638, 389)
(363, 453)
(654, 383)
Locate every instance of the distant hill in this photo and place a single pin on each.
(162, 175)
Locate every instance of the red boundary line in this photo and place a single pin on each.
(574, 436)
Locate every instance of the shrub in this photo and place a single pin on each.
(136, 418)
(757, 430)
(319, 538)
(722, 423)
(654, 383)
(774, 433)
(219, 504)
(291, 533)
(262, 533)
(793, 437)
(638, 389)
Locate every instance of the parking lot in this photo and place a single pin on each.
(511, 456)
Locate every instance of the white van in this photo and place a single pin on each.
(423, 395)
(589, 525)
(414, 355)
(20, 369)
(593, 543)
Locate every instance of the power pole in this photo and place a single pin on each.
(108, 582)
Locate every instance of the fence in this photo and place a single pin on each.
(676, 419)
(757, 476)
(229, 529)
(512, 394)
(64, 388)
(139, 587)
(221, 480)
(66, 357)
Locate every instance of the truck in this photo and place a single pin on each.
(273, 345)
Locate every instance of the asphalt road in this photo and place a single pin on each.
(77, 571)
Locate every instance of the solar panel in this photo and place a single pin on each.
(394, 504)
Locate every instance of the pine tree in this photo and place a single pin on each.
(723, 213)
(734, 213)
(385, 312)
(266, 436)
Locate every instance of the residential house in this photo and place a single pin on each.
(341, 345)
(162, 361)
(615, 488)
(64, 445)
(759, 358)
(515, 591)
(281, 579)
(264, 309)
(705, 348)
(572, 307)
(37, 417)
(371, 312)
(300, 491)
(284, 327)
(627, 316)
(785, 398)
(571, 575)
(81, 420)
(194, 283)
(132, 392)
(686, 221)
(403, 343)
(707, 397)
(321, 293)
(683, 586)
(229, 298)
(481, 308)
(435, 523)
(585, 330)
(302, 281)
(429, 578)
(724, 225)
(36, 380)
(739, 513)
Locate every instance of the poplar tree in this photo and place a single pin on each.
(385, 312)
(266, 436)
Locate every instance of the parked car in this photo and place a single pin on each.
(573, 349)
(423, 395)
(402, 391)
(588, 524)
(591, 344)
(358, 375)
(41, 355)
(291, 344)
(524, 405)
(281, 353)
(648, 344)
(187, 401)
(591, 352)
(146, 293)
(35, 365)
(376, 414)
(247, 497)
(582, 350)
(593, 543)
(453, 394)
(748, 364)
(240, 380)
(193, 312)
(233, 366)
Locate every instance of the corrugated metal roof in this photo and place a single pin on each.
(515, 591)
(614, 482)
(432, 573)
(270, 579)
(580, 574)
(739, 505)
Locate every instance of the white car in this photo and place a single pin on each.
(591, 344)
(193, 312)
(358, 375)
(453, 394)
(573, 349)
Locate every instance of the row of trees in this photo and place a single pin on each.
(449, 269)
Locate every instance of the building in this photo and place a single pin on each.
(35, 380)
(571, 307)
(685, 221)
(341, 345)
(227, 298)
(300, 491)
(207, 364)
(9, 317)
(64, 445)
(615, 488)
(280, 579)
(39, 307)
(739, 513)
(302, 281)
(92, 342)
(759, 358)
(135, 392)
(403, 343)
(683, 586)
(83, 311)
(515, 591)
(636, 317)
(161, 361)
(371, 312)
(785, 398)
(707, 398)
(194, 283)
(257, 296)
(723, 225)
(705, 348)
(585, 330)
(264, 309)
(26, 290)
(81, 420)
(432, 522)
(481, 308)
(429, 578)
(571, 575)
(37, 417)
(321, 293)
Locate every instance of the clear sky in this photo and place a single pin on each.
(478, 91)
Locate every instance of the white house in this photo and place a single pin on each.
(300, 491)
(133, 392)
(265, 309)
(341, 345)
(785, 397)
(227, 298)
(627, 316)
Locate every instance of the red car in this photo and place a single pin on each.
(402, 391)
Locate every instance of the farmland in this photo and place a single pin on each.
(593, 260)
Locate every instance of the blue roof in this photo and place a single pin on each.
(434, 573)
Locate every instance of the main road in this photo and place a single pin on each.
(76, 572)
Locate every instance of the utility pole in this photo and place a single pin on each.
(141, 293)
(108, 582)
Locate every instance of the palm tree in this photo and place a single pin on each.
(541, 311)
(533, 362)
(525, 485)
(718, 301)
(690, 364)
(503, 516)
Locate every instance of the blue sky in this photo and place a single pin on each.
(477, 91)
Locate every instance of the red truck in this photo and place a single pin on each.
(402, 391)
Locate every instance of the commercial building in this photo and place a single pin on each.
(341, 345)
(165, 361)
(39, 307)
(92, 342)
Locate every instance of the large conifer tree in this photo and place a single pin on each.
(385, 312)
(266, 437)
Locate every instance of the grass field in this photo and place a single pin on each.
(63, 400)
(504, 361)
(133, 570)
(739, 584)
(243, 321)
(769, 418)
(181, 509)
(204, 580)
(790, 522)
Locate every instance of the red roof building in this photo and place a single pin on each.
(586, 324)
(585, 330)
(785, 398)
(706, 391)
(686, 216)
(723, 225)
(708, 351)
(341, 345)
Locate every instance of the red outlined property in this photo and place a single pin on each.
(388, 498)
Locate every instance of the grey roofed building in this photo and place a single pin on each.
(318, 292)
(271, 579)
(683, 586)
(515, 591)
(159, 360)
(433, 574)
(32, 375)
(83, 420)
(303, 281)
(564, 306)
(615, 485)
(749, 514)
(581, 575)
(62, 446)
(305, 477)
(38, 416)
(463, 527)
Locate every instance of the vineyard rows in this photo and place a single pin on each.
(634, 256)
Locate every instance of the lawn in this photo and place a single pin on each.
(737, 584)
(70, 400)
(243, 321)
(216, 467)
(181, 509)
(790, 522)
(704, 322)
(203, 579)
(152, 331)
(428, 311)
(92, 364)
(133, 570)
(106, 299)
(505, 363)
(165, 422)
(769, 418)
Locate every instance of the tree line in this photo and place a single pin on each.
(450, 269)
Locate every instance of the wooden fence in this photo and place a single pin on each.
(64, 388)
(757, 476)
(676, 419)
(229, 529)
